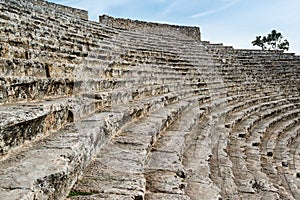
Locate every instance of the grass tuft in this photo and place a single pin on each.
(77, 193)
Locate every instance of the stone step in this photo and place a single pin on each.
(171, 44)
(286, 146)
(268, 58)
(163, 196)
(151, 54)
(285, 168)
(21, 67)
(122, 112)
(129, 112)
(246, 179)
(248, 101)
(196, 161)
(152, 39)
(245, 109)
(164, 170)
(123, 175)
(222, 160)
(25, 122)
(22, 89)
(63, 12)
(105, 99)
(124, 70)
(47, 21)
(216, 115)
(156, 47)
(254, 158)
(154, 36)
(122, 96)
(220, 163)
(40, 67)
(274, 156)
(131, 73)
(43, 42)
(48, 169)
(270, 128)
(244, 120)
(252, 120)
(109, 84)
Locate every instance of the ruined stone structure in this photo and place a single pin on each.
(99, 111)
(182, 32)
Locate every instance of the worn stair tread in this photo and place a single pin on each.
(102, 196)
(163, 196)
(59, 158)
(164, 170)
(126, 95)
(27, 121)
(133, 144)
(246, 184)
(102, 178)
(196, 160)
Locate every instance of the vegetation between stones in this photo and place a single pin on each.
(77, 193)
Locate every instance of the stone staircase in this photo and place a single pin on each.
(90, 111)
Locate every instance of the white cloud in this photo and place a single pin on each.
(171, 7)
(228, 4)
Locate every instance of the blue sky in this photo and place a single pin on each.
(231, 22)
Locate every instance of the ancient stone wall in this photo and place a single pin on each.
(150, 27)
(83, 14)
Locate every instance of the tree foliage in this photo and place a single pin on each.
(273, 41)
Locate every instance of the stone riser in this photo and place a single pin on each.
(128, 142)
(256, 141)
(73, 112)
(109, 127)
(222, 143)
(23, 89)
(40, 119)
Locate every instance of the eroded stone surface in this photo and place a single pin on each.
(162, 196)
(101, 178)
(119, 166)
(25, 122)
(57, 160)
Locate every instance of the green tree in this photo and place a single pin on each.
(259, 42)
(284, 45)
(272, 41)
